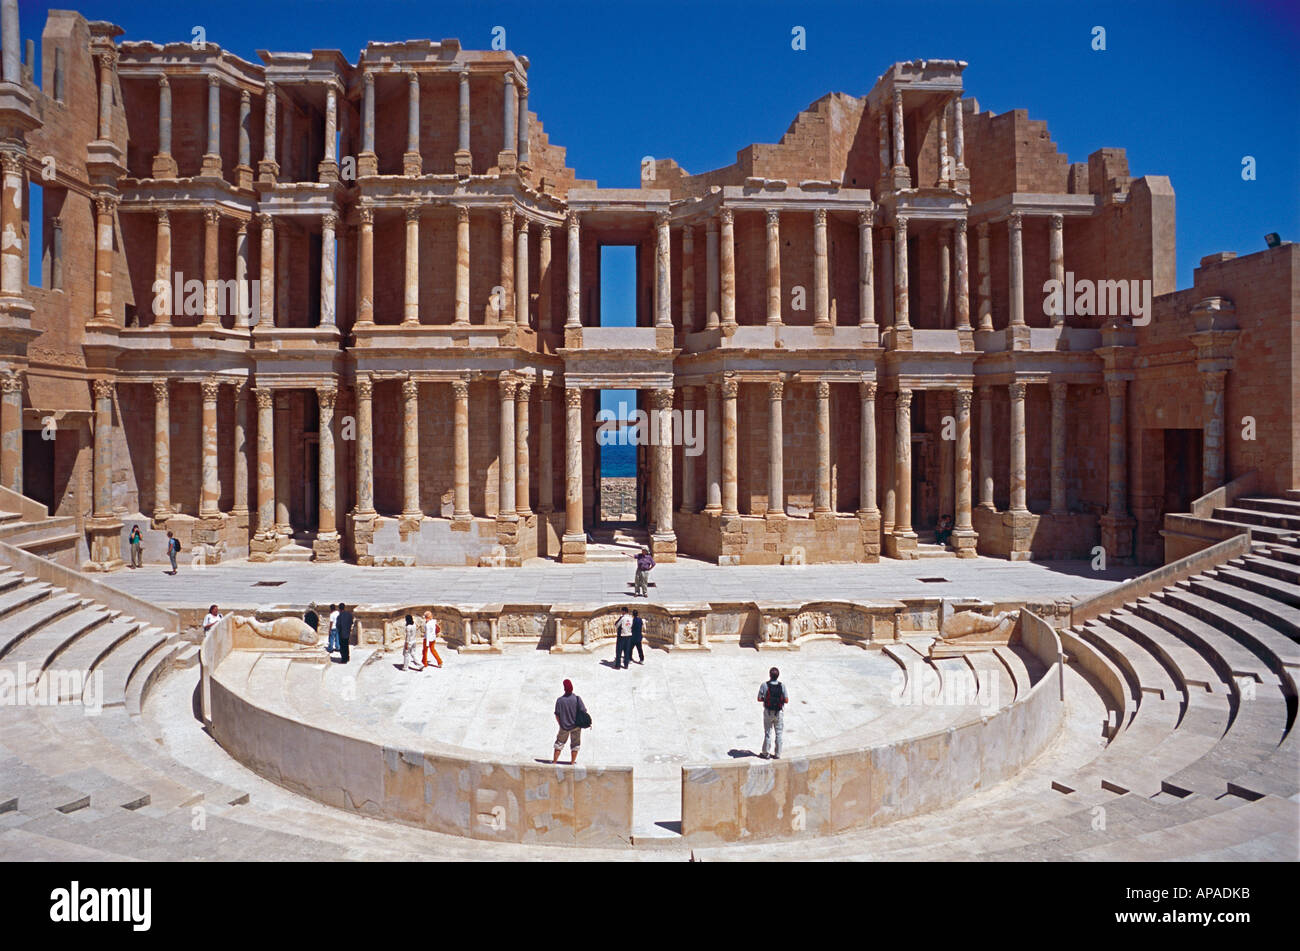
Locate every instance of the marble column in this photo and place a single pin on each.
(544, 281)
(462, 265)
(265, 463)
(509, 132)
(1018, 472)
(365, 446)
(102, 501)
(663, 301)
(1016, 270)
(281, 435)
(1117, 440)
(730, 438)
(867, 450)
(285, 242)
(775, 449)
(243, 306)
(521, 273)
(958, 138)
(268, 168)
(986, 448)
(164, 163)
(821, 271)
(713, 449)
(411, 450)
(728, 256)
(463, 158)
(240, 459)
(107, 63)
(984, 292)
(266, 276)
(211, 487)
(573, 463)
(212, 155)
(162, 271)
(773, 267)
(866, 271)
(947, 455)
(329, 166)
(962, 522)
(211, 235)
(523, 464)
(412, 163)
(573, 313)
(460, 449)
(945, 170)
(900, 274)
(368, 116)
(688, 460)
(903, 464)
(105, 208)
(899, 153)
(662, 451)
(524, 156)
(888, 423)
(162, 450)
(245, 144)
(887, 281)
(366, 270)
(327, 526)
(1059, 392)
(713, 287)
(506, 447)
(505, 312)
(1056, 265)
(822, 493)
(327, 250)
(1212, 462)
(411, 299)
(882, 137)
(961, 300)
(545, 447)
(688, 279)
(944, 241)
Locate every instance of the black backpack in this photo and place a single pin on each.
(774, 699)
(581, 718)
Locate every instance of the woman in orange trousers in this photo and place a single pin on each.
(430, 639)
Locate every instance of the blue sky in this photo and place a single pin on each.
(1189, 88)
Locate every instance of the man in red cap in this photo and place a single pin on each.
(571, 716)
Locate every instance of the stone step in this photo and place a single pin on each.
(17, 626)
(1145, 672)
(40, 649)
(1264, 609)
(21, 595)
(1261, 503)
(1276, 650)
(1191, 670)
(1272, 567)
(1259, 584)
(1284, 553)
(292, 553)
(91, 648)
(154, 666)
(31, 792)
(1252, 516)
(1233, 661)
(122, 662)
(1258, 533)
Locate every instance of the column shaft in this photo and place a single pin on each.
(986, 447)
(366, 268)
(728, 254)
(462, 113)
(903, 464)
(411, 298)
(1018, 472)
(1016, 272)
(326, 524)
(506, 448)
(821, 271)
(963, 517)
(211, 491)
(162, 450)
(162, 272)
(962, 298)
(105, 206)
(712, 280)
(573, 313)
(688, 460)
(730, 499)
(663, 302)
(866, 271)
(900, 274)
(240, 459)
(460, 437)
(984, 293)
(523, 486)
(521, 274)
(211, 235)
(1056, 264)
(545, 452)
(898, 128)
(1118, 449)
(713, 450)
(773, 267)
(775, 449)
(867, 449)
(266, 280)
(1212, 463)
(102, 502)
(164, 116)
(1059, 392)
(327, 252)
(505, 302)
(462, 265)
(365, 446)
(411, 450)
(573, 458)
(663, 461)
(265, 463)
(282, 437)
(688, 279)
(368, 120)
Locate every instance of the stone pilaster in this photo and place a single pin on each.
(11, 431)
(773, 267)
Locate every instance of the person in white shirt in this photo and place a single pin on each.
(334, 629)
(622, 641)
(408, 648)
(430, 638)
(211, 618)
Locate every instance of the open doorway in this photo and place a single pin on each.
(620, 461)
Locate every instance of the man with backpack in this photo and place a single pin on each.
(641, 580)
(173, 549)
(773, 696)
(571, 717)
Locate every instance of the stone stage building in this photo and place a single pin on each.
(379, 332)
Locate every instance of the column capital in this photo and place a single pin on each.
(462, 213)
(367, 215)
(964, 399)
(214, 80)
(11, 382)
(823, 390)
(164, 217)
(460, 389)
(1116, 388)
(523, 391)
(688, 232)
(523, 223)
(1058, 222)
(365, 388)
(1017, 389)
(982, 229)
(866, 218)
(776, 390)
(730, 388)
(572, 397)
(211, 388)
(410, 389)
(1058, 391)
(773, 216)
(662, 398)
(960, 225)
(819, 217)
(103, 389)
(212, 216)
(900, 225)
(571, 221)
(1015, 221)
(244, 97)
(412, 212)
(106, 204)
(508, 215)
(413, 79)
(904, 404)
(368, 78)
(241, 226)
(265, 220)
(1214, 380)
(904, 396)
(326, 396)
(163, 81)
(867, 389)
(507, 383)
(464, 75)
(264, 396)
(509, 78)
(726, 216)
(329, 221)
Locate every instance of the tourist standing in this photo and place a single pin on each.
(211, 619)
(571, 716)
(345, 631)
(431, 629)
(641, 580)
(637, 626)
(408, 646)
(137, 550)
(173, 549)
(622, 641)
(773, 696)
(334, 629)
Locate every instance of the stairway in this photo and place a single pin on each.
(617, 544)
(52, 537)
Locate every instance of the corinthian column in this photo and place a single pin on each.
(211, 232)
(164, 164)
(962, 299)
(1056, 264)
(328, 223)
(898, 129)
(411, 450)
(822, 497)
(821, 272)
(1058, 391)
(728, 267)
(521, 274)
(506, 301)
(867, 452)
(775, 449)
(903, 465)
(412, 164)
(105, 206)
(773, 267)
(986, 447)
(523, 487)
(688, 460)
(506, 448)
(240, 460)
(1016, 272)
(573, 313)
(327, 527)
(464, 164)
(688, 279)
(265, 463)
(730, 495)
(411, 304)
(212, 156)
(283, 527)
(211, 494)
(162, 451)
(462, 265)
(544, 281)
(266, 279)
(366, 283)
(545, 450)
(900, 274)
(460, 438)
(1212, 467)
(663, 462)
(984, 301)
(162, 271)
(712, 280)
(963, 521)
(866, 271)
(103, 453)
(1018, 475)
(573, 466)
(713, 449)
(365, 446)
(663, 301)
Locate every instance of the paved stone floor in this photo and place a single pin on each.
(543, 581)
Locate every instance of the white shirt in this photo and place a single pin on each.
(334, 619)
(624, 626)
(431, 629)
(210, 621)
